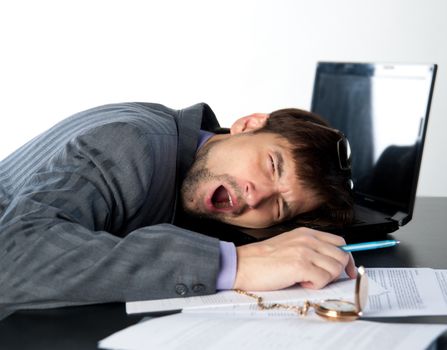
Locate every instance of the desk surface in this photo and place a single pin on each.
(423, 244)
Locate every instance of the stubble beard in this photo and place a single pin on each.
(199, 174)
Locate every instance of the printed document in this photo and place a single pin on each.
(295, 295)
(408, 292)
(393, 292)
(196, 331)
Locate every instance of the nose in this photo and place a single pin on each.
(256, 194)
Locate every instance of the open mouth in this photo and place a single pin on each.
(221, 198)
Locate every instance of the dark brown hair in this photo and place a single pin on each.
(314, 149)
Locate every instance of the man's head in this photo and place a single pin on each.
(269, 169)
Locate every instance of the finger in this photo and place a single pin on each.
(333, 251)
(325, 248)
(315, 277)
(322, 254)
(308, 285)
(332, 267)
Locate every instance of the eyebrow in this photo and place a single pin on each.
(280, 166)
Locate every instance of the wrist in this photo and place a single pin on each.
(244, 254)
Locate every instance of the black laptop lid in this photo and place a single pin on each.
(383, 110)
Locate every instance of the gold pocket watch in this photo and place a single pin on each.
(329, 309)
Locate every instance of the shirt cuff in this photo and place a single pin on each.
(228, 263)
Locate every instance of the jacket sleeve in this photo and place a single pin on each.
(66, 238)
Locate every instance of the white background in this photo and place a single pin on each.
(60, 57)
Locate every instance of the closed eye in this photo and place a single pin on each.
(272, 164)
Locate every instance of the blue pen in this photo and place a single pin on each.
(356, 247)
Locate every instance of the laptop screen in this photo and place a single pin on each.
(383, 110)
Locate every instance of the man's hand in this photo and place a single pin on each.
(309, 257)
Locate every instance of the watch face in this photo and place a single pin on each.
(337, 310)
(338, 305)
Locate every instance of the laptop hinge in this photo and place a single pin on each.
(399, 217)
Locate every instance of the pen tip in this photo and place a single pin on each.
(397, 242)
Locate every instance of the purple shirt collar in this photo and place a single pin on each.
(203, 137)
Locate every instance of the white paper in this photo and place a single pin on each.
(193, 331)
(405, 292)
(409, 292)
(295, 295)
(441, 277)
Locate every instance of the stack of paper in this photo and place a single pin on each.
(195, 331)
(393, 292)
(228, 320)
(295, 295)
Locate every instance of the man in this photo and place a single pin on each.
(87, 209)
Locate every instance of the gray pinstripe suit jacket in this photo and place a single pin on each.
(86, 210)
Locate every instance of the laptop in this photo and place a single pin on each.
(383, 110)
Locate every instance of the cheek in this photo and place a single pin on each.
(232, 165)
(235, 160)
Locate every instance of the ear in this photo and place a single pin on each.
(249, 123)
